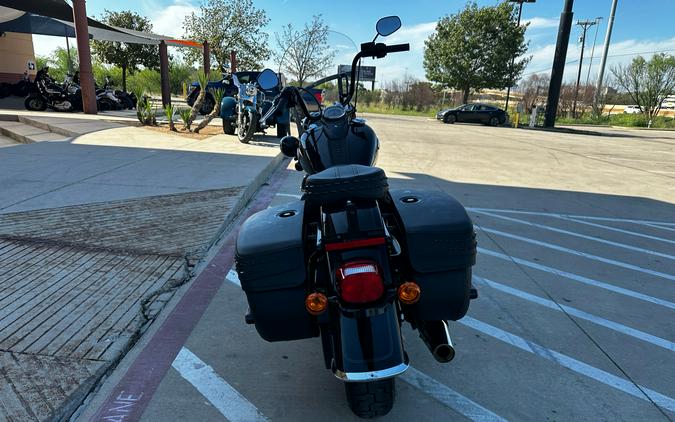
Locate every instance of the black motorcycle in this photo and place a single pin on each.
(352, 260)
(45, 93)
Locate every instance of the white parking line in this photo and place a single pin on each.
(292, 195)
(233, 277)
(670, 277)
(579, 278)
(448, 396)
(618, 230)
(623, 329)
(572, 364)
(586, 217)
(575, 234)
(216, 390)
(660, 226)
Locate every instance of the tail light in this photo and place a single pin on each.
(360, 282)
(319, 96)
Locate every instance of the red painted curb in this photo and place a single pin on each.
(134, 391)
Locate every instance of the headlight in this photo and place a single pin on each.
(251, 90)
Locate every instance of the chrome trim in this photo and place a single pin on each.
(372, 375)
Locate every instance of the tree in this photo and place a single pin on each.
(647, 82)
(127, 56)
(229, 25)
(473, 49)
(534, 89)
(305, 54)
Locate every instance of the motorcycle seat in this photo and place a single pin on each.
(345, 182)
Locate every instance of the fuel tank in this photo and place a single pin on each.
(329, 144)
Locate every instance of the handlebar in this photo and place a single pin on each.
(397, 48)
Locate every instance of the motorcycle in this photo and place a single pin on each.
(352, 260)
(242, 113)
(114, 99)
(45, 93)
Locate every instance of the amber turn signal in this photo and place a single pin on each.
(316, 303)
(409, 293)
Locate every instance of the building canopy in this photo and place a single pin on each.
(55, 17)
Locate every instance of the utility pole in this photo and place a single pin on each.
(595, 38)
(585, 25)
(559, 63)
(605, 50)
(520, 13)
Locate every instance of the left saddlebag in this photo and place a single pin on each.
(270, 263)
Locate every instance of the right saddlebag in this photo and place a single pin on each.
(439, 243)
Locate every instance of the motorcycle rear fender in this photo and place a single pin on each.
(228, 107)
(367, 345)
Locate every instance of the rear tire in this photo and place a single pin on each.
(283, 129)
(494, 121)
(207, 105)
(228, 129)
(373, 399)
(35, 103)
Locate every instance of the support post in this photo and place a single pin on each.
(164, 73)
(605, 50)
(559, 63)
(207, 58)
(233, 61)
(513, 60)
(86, 75)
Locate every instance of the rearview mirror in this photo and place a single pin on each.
(388, 25)
(267, 79)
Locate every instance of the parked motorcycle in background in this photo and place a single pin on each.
(45, 93)
(242, 113)
(352, 260)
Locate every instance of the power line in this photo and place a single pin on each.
(613, 55)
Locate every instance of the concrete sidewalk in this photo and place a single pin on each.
(96, 232)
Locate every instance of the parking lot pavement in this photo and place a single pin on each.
(574, 319)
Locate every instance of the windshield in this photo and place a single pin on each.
(311, 57)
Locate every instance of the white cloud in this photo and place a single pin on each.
(169, 21)
(541, 23)
(394, 66)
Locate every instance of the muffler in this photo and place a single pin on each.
(435, 335)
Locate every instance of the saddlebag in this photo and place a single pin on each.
(271, 267)
(440, 246)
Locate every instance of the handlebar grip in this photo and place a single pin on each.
(397, 48)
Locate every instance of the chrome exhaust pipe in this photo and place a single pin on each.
(437, 338)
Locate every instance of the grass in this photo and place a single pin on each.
(380, 109)
(625, 120)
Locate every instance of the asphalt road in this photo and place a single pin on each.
(575, 316)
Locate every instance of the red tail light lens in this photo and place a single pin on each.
(319, 96)
(360, 282)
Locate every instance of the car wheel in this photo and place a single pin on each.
(450, 118)
(494, 121)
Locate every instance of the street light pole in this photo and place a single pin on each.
(585, 25)
(520, 13)
(603, 62)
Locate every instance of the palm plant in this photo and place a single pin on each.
(218, 95)
(169, 112)
(185, 114)
(203, 80)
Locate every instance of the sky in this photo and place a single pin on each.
(641, 26)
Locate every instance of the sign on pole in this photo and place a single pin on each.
(366, 73)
